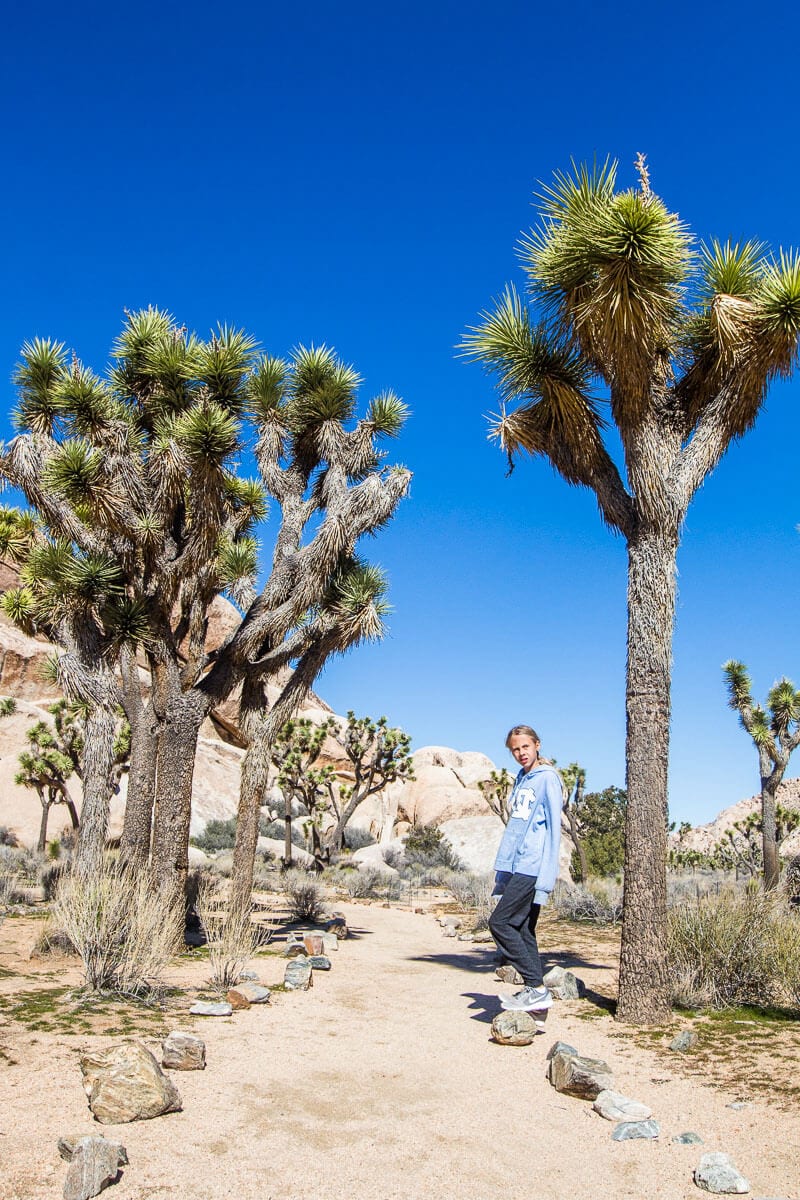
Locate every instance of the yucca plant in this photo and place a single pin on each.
(629, 323)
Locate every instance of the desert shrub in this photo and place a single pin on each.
(599, 901)
(217, 835)
(470, 891)
(355, 837)
(304, 894)
(393, 857)
(120, 926)
(7, 836)
(372, 884)
(417, 875)
(426, 846)
(231, 936)
(740, 947)
(50, 877)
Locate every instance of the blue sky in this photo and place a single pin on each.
(358, 175)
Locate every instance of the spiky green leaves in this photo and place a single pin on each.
(237, 567)
(387, 414)
(223, 363)
(557, 415)
(74, 471)
(356, 598)
(40, 369)
(609, 268)
(779, 304)
(208, 435)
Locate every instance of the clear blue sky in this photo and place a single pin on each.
(358, 174)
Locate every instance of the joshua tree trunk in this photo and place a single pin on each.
(644, 997)
(577, 842)
(770, 779)
(260, 726)
(42, 843)
(137, 828)
(98, 764)
(177, 747)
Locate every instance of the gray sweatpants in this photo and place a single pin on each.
(513, 927)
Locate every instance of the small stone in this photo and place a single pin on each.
(298, 976)
(466, 937)
(449, 931)
(717, 1173)
(237, 1000)
(561, 1048)
(574, 1075)
(614, 1107)
(508, 974)
(94, 1165)
(419, 911)
(453, 922)
(688, 1139)
(514, 1028)
(483, 935)
(337, 925)
(684, 1041)
(295, 950)
(248, 977)
(738, 1105)
(254, 993)
(329, 942)
(313, 944)
(626, 1131)
(183, 1052)
(320, 962)
(211, 1008)
(563, 984)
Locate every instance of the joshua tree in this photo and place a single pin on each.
(775, 733)
(295, 749)
(573, 784)
(134, 478)
(379, 754)
(496, 791)
(613, 272)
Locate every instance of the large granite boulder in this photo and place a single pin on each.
(125, 1083)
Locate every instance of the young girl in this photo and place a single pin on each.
(526, 867)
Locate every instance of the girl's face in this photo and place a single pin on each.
(524, 749)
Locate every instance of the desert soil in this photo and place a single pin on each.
(383, 1081)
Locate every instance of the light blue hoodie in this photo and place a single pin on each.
(533, 834)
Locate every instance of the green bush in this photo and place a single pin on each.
(426, 846)
(355, 838)
(276, 829)
(733, 949)
(217, 835)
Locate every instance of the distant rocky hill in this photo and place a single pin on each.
(705, 837)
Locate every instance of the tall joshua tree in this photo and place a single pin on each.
(677, 347)
(776, 734)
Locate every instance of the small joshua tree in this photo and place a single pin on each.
(776, 734)
(296, 749)
(496, 791)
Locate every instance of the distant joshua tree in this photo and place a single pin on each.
(776, 734)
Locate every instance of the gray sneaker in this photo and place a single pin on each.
(528, 1000)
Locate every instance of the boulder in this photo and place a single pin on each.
(319, 962)
(561, 1048)
(211, 1008)
(717, 1173)
(515, 1028)
(508, 974)
(684, 1041)
(574, 1075)
(313, 943)
(125, 1083)
(253, 993)
(94, 1164)
(237, 1000)
(183, 1052)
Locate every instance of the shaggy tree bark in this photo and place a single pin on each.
(138, 823)
(651, 606)
(98, 767)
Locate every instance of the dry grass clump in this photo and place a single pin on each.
(231, 935)
(305, 897)
(120, 926)
(472, 893)
(598, 901)
(733, 949)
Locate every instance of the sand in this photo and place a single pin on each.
(382, 1081)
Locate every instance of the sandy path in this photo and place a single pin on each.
(381, 1081)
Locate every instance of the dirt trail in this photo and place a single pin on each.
(381, 1081)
